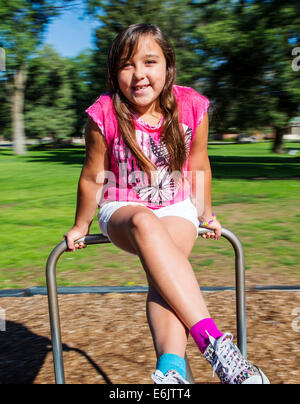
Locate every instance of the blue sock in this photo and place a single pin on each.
(170, 361)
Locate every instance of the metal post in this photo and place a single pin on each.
(54, 312)
(189, 375)
(240, 287)
(53, 302)
(240, 283)
(100, 239)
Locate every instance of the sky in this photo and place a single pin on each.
(71, 32)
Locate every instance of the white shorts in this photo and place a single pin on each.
(185, 209)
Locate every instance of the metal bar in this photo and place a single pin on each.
(240, 288)
(53, 302)
(100, 239)
(54, 312)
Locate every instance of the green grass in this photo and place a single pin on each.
(37, 206)
(254, 161)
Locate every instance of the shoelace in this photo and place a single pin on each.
(171, 377)
(227, 359)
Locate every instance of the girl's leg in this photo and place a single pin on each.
(164, 325)
(139, 231)
(136, 229)
(163, 321)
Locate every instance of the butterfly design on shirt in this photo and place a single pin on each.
(164, 185)
(188, 134)
(161, 151)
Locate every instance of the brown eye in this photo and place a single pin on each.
(125, 65)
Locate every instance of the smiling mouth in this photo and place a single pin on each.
(139, 88)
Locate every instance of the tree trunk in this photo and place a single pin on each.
(278, 142)
(17, 100)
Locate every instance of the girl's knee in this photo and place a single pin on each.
(143, 222)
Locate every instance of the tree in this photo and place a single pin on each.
(282, 22)
(49, 107)
(80, 77)
(246, 48)
(174, 17)
(5, 123)
(22, 24)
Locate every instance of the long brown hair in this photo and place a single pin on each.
(173, 138)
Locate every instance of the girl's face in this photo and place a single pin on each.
(142, 78)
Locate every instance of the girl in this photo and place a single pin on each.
(147, 168)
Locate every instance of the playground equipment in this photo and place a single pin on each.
(100, 239)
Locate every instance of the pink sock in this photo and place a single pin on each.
(199, 334)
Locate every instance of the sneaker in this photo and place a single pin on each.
(229, 364)
(171, 377)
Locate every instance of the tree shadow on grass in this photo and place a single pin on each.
(222, 166)
(23, 353)
(255, 167)
(63, 155)
(70, 155)
(247, 167)
(231, 167)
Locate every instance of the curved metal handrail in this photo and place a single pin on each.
(100, 239)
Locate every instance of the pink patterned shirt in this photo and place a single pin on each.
(126, 181)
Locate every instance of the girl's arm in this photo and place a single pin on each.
(91, 182)
(199, 166)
